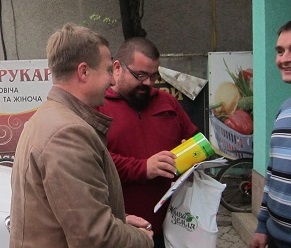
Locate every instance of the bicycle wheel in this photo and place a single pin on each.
(237, 196)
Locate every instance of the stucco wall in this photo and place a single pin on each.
(175, 26)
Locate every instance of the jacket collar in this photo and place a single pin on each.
(94, 118)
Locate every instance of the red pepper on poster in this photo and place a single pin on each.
(247, 74)
(240, 121)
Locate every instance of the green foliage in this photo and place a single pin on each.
(99, 18)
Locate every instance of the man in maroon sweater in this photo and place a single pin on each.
(147, 124)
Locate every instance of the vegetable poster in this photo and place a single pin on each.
(231, 103)
(24, 85)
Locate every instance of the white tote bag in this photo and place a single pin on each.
(191, 218)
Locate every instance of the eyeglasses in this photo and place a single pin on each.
(142, 76)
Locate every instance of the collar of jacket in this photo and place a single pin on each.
(97, 120)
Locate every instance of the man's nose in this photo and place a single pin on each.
(286, 57)
(112, 81)
(147, 82)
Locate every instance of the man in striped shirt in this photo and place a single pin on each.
(274, 219)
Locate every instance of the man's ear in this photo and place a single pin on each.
(83, 71)
(117, 68)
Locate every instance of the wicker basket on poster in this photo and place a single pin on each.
(231, 142)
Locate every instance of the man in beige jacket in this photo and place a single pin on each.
(65, 188)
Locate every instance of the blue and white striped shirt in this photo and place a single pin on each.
(275, 215)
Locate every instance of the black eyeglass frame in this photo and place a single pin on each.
(142, 76)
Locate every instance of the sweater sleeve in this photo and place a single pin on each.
(263, 215)
(130, 169)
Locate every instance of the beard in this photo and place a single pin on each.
(139, 97)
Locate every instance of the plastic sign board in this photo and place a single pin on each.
(230, 77)
(24, 85)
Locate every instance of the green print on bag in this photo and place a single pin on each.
(183, 219)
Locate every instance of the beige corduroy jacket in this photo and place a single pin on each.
(65, 188)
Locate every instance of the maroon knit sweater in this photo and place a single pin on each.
(134, 137)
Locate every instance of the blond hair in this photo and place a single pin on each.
(72, 45)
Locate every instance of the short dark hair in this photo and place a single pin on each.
(285, 27)
(136, 44)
